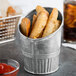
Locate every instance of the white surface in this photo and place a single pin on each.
(73, 46)
(4, 4)
(28, 5)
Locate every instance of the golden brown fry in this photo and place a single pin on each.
(54, 14)
(39, 25)
(25, 26)
(34, 20)
(11, 11)
(58, 22)
(41, 34)
(50, 27)
(35, 38)
(40, 9)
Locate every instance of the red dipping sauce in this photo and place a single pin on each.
(7, 70)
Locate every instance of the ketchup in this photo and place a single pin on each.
(5, 68)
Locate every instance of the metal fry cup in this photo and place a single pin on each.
(41, 56)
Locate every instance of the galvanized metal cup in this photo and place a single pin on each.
(41, 56)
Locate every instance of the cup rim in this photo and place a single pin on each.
(13, 70)
(43, 38)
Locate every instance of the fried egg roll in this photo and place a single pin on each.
(50, 27)
(25, 26)
(39, 25)
(40, 9)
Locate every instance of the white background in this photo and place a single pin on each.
(28, 5)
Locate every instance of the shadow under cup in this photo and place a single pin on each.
(41, 56)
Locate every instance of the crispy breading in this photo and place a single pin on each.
(11, 11)
(58, 22)
(39, 25)
(50, 27)
(40, 9)
(25, 26)
(34, 20)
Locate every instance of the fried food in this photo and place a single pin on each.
(2, 27)
(0, 16)
(50, 27)
(40, 36)
(11, 11)
(25, 26)
(42, 24)
(1, 23)
(40, 9)
(34, 20)
(39, 25)
(58, 22)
